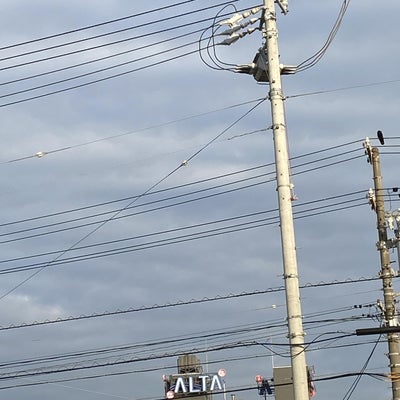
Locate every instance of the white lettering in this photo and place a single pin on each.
(192, 389)
(184, 384)
(215, 381)
(180, 384)
(203, 379)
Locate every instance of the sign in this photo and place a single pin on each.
(197, 384)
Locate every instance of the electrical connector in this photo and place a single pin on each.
(232, 21)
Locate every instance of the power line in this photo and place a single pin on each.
(99, 214)
(179, 186)
(96, 25)
(144, 308)
(117, 75)
(160, 42)
(140, 357)
(213, 222)
(105, 68)
(136, 26)
(313, 60)
(360, 86)
(354, 385)
(128, 359)
(238, 227)
(184, 238)
(152, 187)
(161, 125)
(232, 228)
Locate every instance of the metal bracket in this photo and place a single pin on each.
(283, 5)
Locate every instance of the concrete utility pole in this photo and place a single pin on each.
(386, 274)
(285, 189)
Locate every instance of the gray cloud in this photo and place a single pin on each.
(331, 246)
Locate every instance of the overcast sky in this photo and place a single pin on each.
(102, 215)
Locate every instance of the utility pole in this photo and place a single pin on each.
(285, 190)
(266, 68)
(386, 274)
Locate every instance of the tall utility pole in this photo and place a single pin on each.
(386, 274)
(285, 189)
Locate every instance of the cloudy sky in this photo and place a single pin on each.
(117, 255)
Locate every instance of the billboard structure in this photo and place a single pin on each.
(191, 381)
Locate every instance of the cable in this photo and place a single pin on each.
(144, 308)
(51, 215)
(136, 26)
(155, 202)
(130, 359)
(100, 225)
(100, 70)
(39, 96)
(211, 42)
(165, 367)
(308, 211)
(354, 385)
(313, 60)
(171, 240)
(161, 125)
(204, 224)
(211, 48)
(341, 89)
(96, 25)
(143, 356)
(56, 369)
(86, 74)
(147, 46)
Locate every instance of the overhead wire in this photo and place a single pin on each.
(103, 79)
(53, 36)
(232, 391)
(122, 359)
(133, 358)
(64, 80)
(159, 42)
(177, 239)
(8, 236)
(180, 303)
(230, 174)
(162, 242)
(230, 183)
(217, 336)
(217, 64)
(340, 89)
(143, 47)
(354, 385)
(164, 344)
(265, 221)
(141, 351)
(152, 187)
(70, 361)
(61, 90)
(310, 62)
(314, 59)
(331, 207)
(111, 137)
(208, 223)
(136, 26)
(161, 368)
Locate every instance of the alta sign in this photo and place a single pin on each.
(200, 383)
